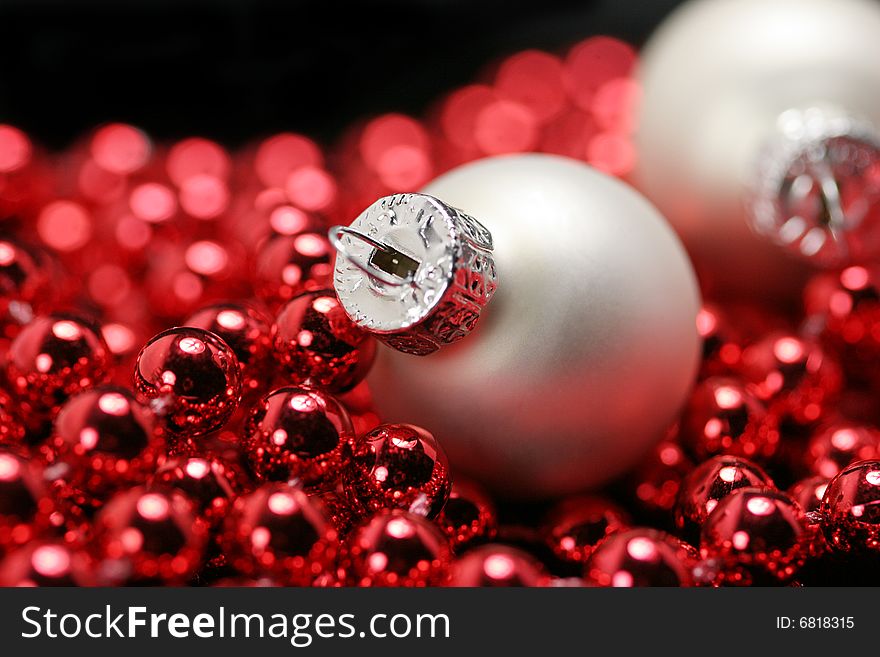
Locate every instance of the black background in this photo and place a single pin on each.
(237, 69)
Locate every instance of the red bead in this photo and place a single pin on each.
(576, 525)
(839, 443)
(210, 483)
(279, 531)
(497, 566)
(468, 516)
(722, 348)
(287, 265)
(759, 529)
(808, 493)
(246, 330)
(851, 510)
(708, 484)
(149, 536)
(317, 344)
(104, 439)
(26, 278)
(298, 433)
(191, 378)
(724, 417)
(396, 548)
(794, 376)
(54, 357)
(398, 466)
(24, 506)
(12, 429)
(47, 563)
(641, 557)
(657, 480)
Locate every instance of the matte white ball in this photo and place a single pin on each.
(716, 76)
(585, 353)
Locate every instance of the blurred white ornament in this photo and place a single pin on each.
(585, 353)
(725, 82)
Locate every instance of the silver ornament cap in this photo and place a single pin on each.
(414, 271)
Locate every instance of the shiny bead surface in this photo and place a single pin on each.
(46, 563)
(808, 493)
(468, 515)
(12, 429)
(287, 265)
(641, 557)
(760, 529)
(317, 344)
(396, 548)
(497, 566)
(709, 483)
(23, 501)
(210, 483)
(298, 433)
(851, 510)
(280, 531)
(54, 357)
(245, 328)
(398, 466)
(834, 446)
(191, 379)
(148, 536)
(657, 480)
(575, 526)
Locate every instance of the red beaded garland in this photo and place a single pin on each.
(12, 429)
(298, 433)
(278, 530)
(53, 357)
(191, 378)
(850, 510)
(641, 557)
(245, 328)
(497, 566)
(396, 548)
(575, 526)
(468, 515)
(149, 536)
(317, 344)
(398, 466)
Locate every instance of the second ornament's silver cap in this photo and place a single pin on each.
(414, 271)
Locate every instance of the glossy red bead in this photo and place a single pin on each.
(288, 264)
(497, 566)
(317, 344)
(808, 493)
(708, 484)
(641, 557)
(12, 429)
(835, 445)
(396, 548)
(851, 510)
(724, 417)
(398, 466)
(469, 516)
(655, 482)
(191, 379)
(278, 530)
(148, 536)
(298, 433)
(760, 529)
(54, 357)
(575, 526)
(245, 328)
(210, 483)
(24, 505)
(47, 563)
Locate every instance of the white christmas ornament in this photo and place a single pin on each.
(585, 353)
(727, 84)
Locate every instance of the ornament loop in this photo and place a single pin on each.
(393, 256)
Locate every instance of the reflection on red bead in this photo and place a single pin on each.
(724, 417)
(396, 548)
(280, 531)
(851, 510)
(657, 480)
(398, 466)
(576, 525)
(54, 357)
(721, 342)
(794, 376)
(839, 443)
(245, 328)
(641, 557)
(497, 566)
(46, 563)
(104, 439)
(191, 378)
(288, 264)
(468, 516)
(298, 433)
(24, 506)
(317, 344)
(759, 529)
(708, 484)
(149, 536)
(808, 493)
(210, 483)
